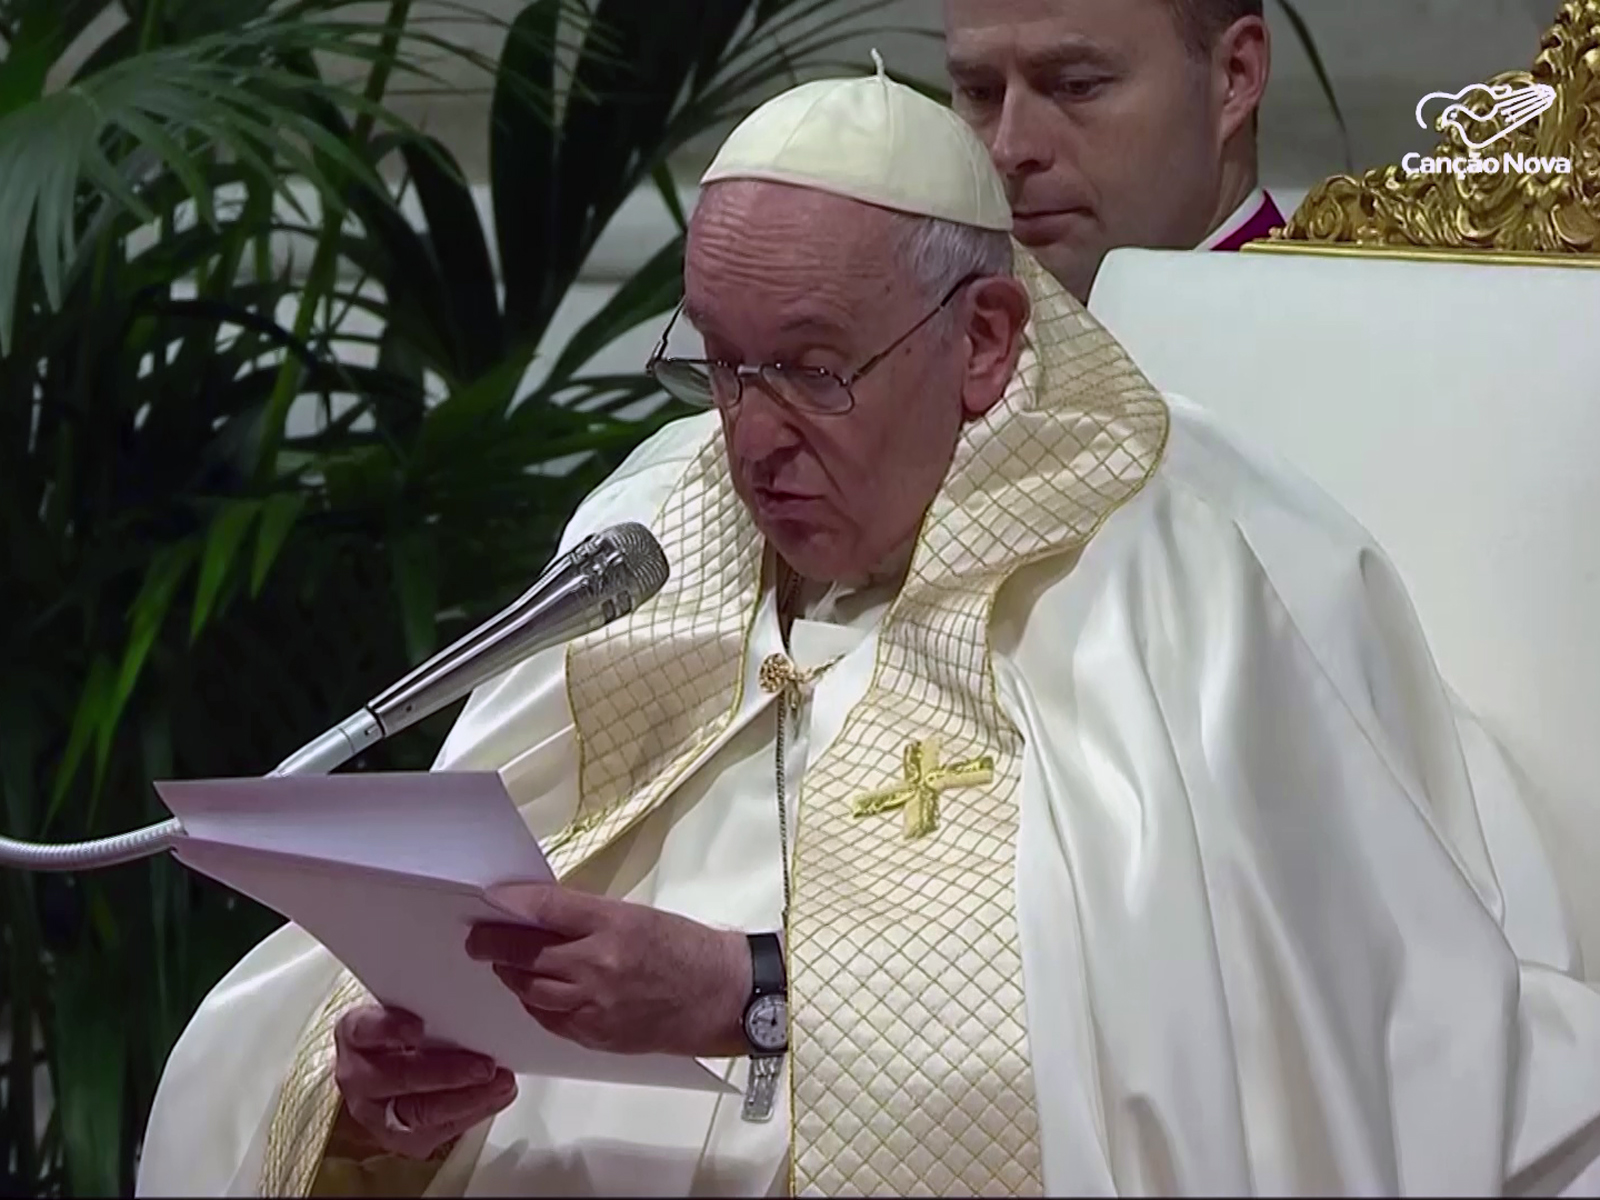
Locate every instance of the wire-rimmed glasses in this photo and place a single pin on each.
(713, 383)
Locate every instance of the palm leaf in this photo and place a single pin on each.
(165, 109)
(91, 1062)
(1302, 32)
(650, 292)
(523, 172)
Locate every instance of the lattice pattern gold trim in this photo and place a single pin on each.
(691, 638)
(309, 1103)
(911, 1072)
(1509, 213)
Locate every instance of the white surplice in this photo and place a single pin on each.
(1286, 926)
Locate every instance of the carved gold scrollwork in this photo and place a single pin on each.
(1541, 212)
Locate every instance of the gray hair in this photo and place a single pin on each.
(939, 254)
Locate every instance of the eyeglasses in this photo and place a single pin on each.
(711, 383)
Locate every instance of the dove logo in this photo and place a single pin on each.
(1482, 114)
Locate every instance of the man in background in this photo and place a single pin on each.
(1117, 122)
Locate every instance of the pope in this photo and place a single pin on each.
(1020, 786)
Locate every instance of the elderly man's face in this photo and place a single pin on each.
(778, 274)
(1108, 132)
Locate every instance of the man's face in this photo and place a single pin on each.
(785, 275)
(1106, 129)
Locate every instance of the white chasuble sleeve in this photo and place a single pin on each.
(220, 1088)
(1275, 940)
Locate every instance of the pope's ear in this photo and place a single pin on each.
(997, 313)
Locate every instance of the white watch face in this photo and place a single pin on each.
(766, 1024)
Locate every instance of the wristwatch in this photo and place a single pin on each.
(766, 1014)
(766, 1025)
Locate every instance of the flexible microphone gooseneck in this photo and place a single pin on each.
(604, 577)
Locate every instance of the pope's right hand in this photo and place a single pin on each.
(410, 1096)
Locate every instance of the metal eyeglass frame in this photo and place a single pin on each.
(760, 371)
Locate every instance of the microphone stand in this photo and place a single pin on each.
(592, 584)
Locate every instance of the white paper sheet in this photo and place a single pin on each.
(389, 872)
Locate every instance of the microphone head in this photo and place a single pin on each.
(643, 569)
(604, 577)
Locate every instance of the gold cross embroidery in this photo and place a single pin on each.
(924, 780)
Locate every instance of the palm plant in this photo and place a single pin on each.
(140, 354)
(194, 582)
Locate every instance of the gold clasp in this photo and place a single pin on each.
(778, 674)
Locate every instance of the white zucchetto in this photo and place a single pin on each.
(873, 140)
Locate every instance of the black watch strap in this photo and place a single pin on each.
(767, 972)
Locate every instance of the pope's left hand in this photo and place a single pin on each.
(617, 976)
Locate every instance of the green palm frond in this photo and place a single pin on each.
(1302, 33)
(77, 160)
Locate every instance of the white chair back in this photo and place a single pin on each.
(1454, 409)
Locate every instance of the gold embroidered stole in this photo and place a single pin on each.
(910, 1069)
(911, 1072)
(309, 1101)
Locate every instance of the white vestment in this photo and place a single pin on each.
(1276, 938)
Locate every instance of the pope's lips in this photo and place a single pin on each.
(778, 500)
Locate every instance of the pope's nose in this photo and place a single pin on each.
(761, 433)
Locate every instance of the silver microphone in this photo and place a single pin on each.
(604, 577)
